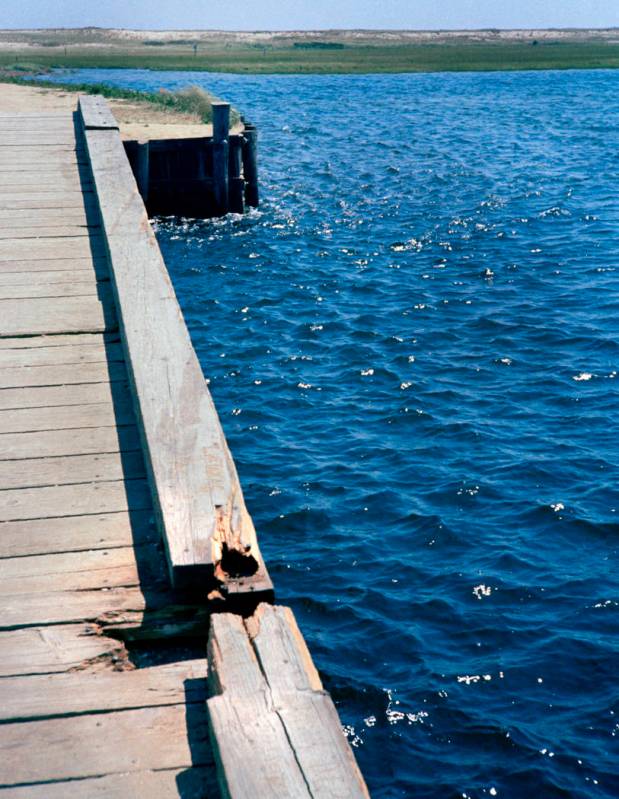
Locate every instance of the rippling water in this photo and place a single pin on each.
(413, 346)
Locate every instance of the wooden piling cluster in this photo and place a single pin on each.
(107, 421)
(200, 177)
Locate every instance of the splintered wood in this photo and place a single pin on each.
(275, 731)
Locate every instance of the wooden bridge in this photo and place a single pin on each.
(124, 538)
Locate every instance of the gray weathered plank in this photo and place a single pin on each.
(307, 711)
(275, 732)
(53, 443)
(103, 743)
(53, 649)
(77, 533)
(41, 316)
(252, 752)
(59, 340)
(193, 478)
(52, 695)
(96, 113)
(67, 417)
(34, 290)
(46, 248)
(66, 607)
(43, 217)
(196, 781)
(70, 267)
(40, 355)
(50, 396)
(33, 233)
(37, 472)
(50, 199)
(59, 374)
(69, 571)
(74, 500)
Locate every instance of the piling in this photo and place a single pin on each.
(221, 128)
(250, 164)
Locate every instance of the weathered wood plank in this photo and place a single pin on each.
(196, 489)
(197, 781)
(40, 355)
(53, 649)
(67, 417)
(73, 288)
(70, 571)
(77, 533)
(53, 443)
(53, 695)
(103, 743)
(77, 267)
(252, 752)
(66, 607)
(74, 500)
(51, 396)
(59, 375)
(307, 711)
(96, 113)
(46, 232)
(40, 316)
(37, 472)
(264, 666)
(43, 217)
(59, 340)
(50, 199)
(38, 249)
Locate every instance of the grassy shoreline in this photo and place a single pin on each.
(191, 100)
(326, 55)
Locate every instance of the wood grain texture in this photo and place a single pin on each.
(46, 248)
(96, 113)
(62, 374)
(28, 200)
(55, 649)
(65, 607)
(61, 417)
(95, 351)
(264, 665)
(39, 472)
(197, 781)
(77, 533)
(57, 315)
(72, 266)
(252, 751)
(81, 441)
(47, 696)
(75, 571)
(195, 486)
(102, 743)
(74, 500)
(50, 396)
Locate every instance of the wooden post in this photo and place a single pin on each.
(236, 189)
(142, 169)
(250, 164)
(221, 127)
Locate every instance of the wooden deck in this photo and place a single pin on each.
(81, 556)
(122, 522)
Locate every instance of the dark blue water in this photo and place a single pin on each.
(414, 350)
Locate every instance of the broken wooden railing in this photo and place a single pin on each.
(275, 731)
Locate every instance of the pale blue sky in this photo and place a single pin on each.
(291, 14)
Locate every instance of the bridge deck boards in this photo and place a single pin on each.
(78, 544)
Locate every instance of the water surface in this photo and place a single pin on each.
(413, 348)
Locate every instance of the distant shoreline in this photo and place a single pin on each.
(312, 52)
